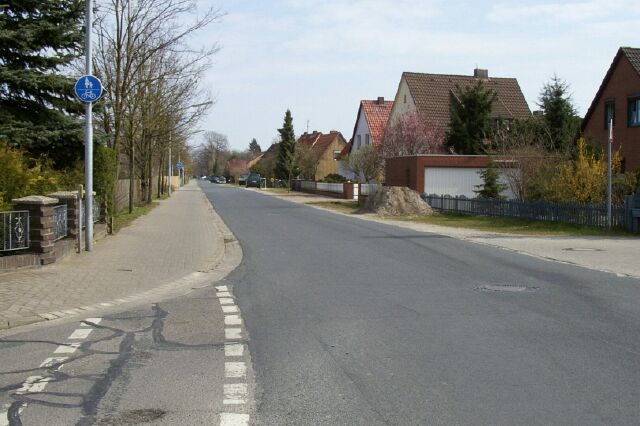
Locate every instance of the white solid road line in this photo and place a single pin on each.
(233, 419)
(80, 333)
(235, 370)
(228, 309)
(234, 393)
(233, 349)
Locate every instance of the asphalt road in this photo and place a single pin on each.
(357, 323)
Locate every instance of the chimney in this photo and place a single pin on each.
(333, 132)
(480, 73)
(380, 100)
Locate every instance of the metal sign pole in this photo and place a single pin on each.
(609, 144)
(88, 137)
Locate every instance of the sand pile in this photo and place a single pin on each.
(396, 201)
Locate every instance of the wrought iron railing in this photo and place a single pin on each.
(60, 215)
(14, 230)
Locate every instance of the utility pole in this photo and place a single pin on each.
(88, 135)
(609, 149)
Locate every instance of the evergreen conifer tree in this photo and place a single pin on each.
(38, 40)
(286, 154)
(254, 147)
(560, 116)
(491, 186)
(471, 120)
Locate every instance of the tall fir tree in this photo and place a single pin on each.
(471, 125)
(38, 41)
(491, 186)
(254, 147)
(286, 154)
(560, 117)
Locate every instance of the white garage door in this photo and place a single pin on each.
(455, 181)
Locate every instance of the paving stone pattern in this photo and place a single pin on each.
(175, 239)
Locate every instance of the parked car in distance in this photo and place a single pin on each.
(253, 180)
(222, 179)
(242, 180)
(213, 179)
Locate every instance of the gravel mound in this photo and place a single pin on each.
(396, 201)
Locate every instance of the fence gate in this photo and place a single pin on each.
(14, 230)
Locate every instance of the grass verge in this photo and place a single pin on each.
(124, 218)
(492, 224)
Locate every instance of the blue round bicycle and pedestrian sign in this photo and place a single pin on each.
(179, 165)
(88, 88)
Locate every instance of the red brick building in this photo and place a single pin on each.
(619, 98)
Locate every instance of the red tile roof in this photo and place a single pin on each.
(377, 113)
(319, 141)
(432, 94)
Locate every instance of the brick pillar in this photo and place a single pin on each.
(347, 191)
(41, 224)
(70, 198)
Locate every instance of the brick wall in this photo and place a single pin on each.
(409, 171)
(624, 82)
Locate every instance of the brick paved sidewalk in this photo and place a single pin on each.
(175, 239)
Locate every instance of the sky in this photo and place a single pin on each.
(319, 58)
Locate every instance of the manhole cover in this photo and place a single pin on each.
(507, 288)
(581, 249)
(133, 417)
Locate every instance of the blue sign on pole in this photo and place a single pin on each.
(179, 165)
(88, 88)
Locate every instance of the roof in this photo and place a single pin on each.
(319, 141)
(432, 94)
(377, 114)
(346, 150)
(633, 56)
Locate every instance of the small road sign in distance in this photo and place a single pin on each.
(88, 88)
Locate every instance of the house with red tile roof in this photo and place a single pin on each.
(618, 98)
(327, 147)
(432, 95)
(371, 123)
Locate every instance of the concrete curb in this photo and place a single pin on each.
(221, 265)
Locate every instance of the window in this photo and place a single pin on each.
(366, 139)
(336, 155)
(634, 112)
(405, 99)
(359, 141)
(609, 113)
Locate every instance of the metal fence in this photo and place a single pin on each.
(330, 187)
(96, 212)
(14, 230)
(60, 228)
(577, 214)
(307, 184)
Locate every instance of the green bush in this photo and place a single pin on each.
(334, 178)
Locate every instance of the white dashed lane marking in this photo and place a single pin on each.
(233, 419)
(232, 320)
(235, 370)
(234, 393)
(233, 349)
(81, 333)
(37, 384)
(233, 333)
(228, 309)
(227, 301)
